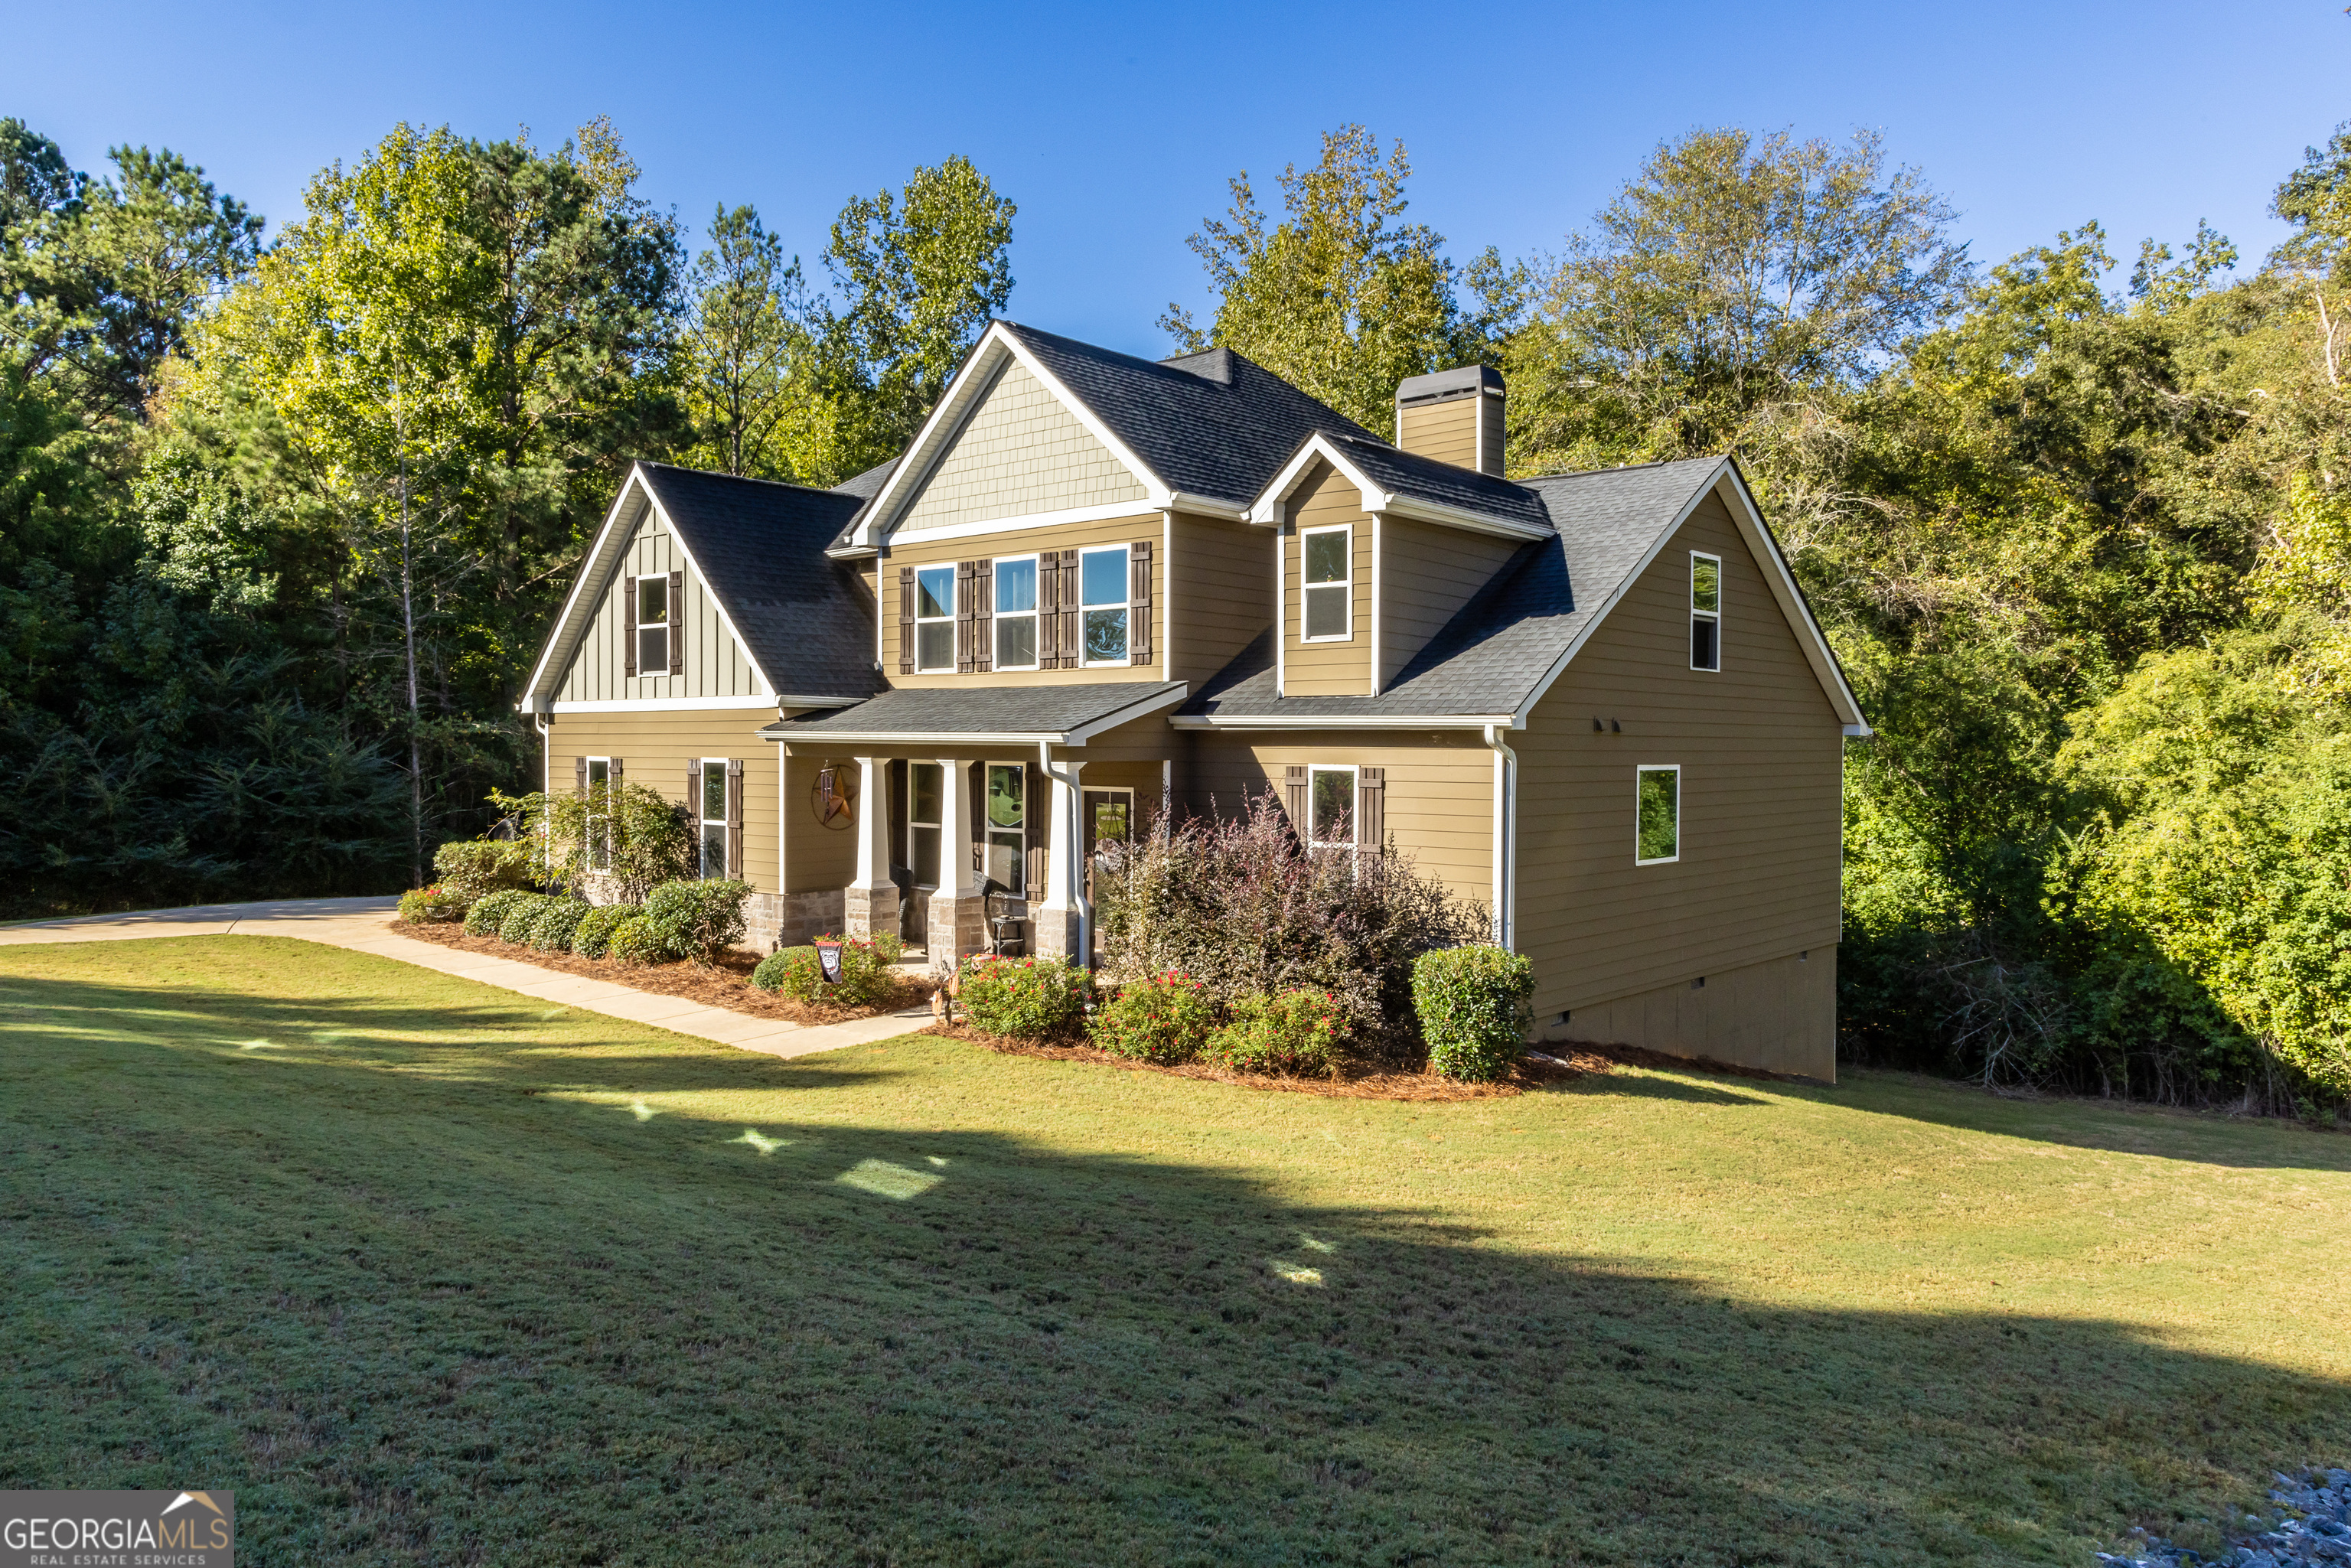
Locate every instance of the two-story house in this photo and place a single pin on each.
(1095, 588)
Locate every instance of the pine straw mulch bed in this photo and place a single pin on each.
(725, 984)
(1355, 1080)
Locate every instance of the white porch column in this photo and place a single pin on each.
(1059, 920)
(871, 902)
(958, 916)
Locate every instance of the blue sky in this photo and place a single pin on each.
(1115, 129)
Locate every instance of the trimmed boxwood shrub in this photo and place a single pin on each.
(1472, 1003)
(515, 926)
(553, 930)
(595, 929)
(475, 868)
(1295, 1034)
(795, 972)
(697, 920)
(1163, 1019)
(430, 907)
(632, 941)
(489, 911)
(1025, 999)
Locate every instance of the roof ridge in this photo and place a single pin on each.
(740, 478)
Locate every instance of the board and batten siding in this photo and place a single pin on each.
(1761, 753)
(916, 551)
(1440, 792)
(1021, 452)
(654, 745)
(1329, 669)
(1426, 574)
(716, 664)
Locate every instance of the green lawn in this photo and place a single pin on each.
(429, 1272)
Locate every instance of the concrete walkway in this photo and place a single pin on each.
(357, 923)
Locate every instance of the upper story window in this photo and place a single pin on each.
(1328, 564)
(1015, 613)
(652, 625)
(1332, 801)
(1706, 612)
(934, 609)
(1658, 828)
(1102, 583)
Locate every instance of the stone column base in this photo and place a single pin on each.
(773, 920)
(1053, 933)
(956, 924)
(866, 910)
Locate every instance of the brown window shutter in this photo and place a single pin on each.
(579, 774)
(1138, 595)
(905, 620)
(983, 616)
(735, 818)
(1048, 604)
(628, 657)
(613, 774)
(677, 622)
(1073, 629)
(963, 617)
(1037, 797)
(1293, 800)
(1371, 809)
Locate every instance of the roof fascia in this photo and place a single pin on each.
(717, 601)
(1345, 721)
(1267, 508)
(1076, 735)
(1142, 708)
(592, 569)
(1436, 512)
(1792, 604)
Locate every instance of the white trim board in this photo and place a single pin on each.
(1268, 506)
(662, 704)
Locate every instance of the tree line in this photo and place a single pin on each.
(281, 525)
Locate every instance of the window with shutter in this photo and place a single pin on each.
(983, 616)
(905, 620)
(629, 639)
(1293, 799)
(705, 800)
(677, 622)
(964, 623)
(1371, 809)
(1071, 613)
(1013, 620)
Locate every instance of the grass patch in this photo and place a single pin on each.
(430, 1272)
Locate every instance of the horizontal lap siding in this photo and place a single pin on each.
(653, 748)
(1021, 452)
(1446, 430)
(1426, 574)
(919, 552)
(1220, 592)
(1326, 669)
(1440, 794)
(1761, 754)
(818, 859)
(715, 664)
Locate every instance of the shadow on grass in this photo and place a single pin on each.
(410, 1317)
(2114, 1126)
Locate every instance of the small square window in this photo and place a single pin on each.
(1657, 834)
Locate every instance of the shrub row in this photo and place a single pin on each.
(679, 920)
(797, 973)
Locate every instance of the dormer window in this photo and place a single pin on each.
(935, 631)
(1329, 562)
(1706, 612)
(652, 625)
(1103, 582)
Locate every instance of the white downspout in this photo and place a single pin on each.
(1506, 838)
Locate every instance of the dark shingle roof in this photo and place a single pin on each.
(1426, 479)
(1489, 656)
(760, 546)
(948, 711)
(1211, 423)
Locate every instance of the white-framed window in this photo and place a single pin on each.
(1658, 814)
(925, 792)
(1705, 610)
(652, 625)
(1016, 612)
(1103, 585)
(600, 817)
(1331, 807)
(710, 811)
(1008, 825)
(1327, 581)
(935, 610)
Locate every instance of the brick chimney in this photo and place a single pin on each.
(1453, 416)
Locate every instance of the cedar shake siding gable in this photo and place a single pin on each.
(1020, 453)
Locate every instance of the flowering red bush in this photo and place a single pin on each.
(1295, 1033)
(1163, 1019)
(1025, 999)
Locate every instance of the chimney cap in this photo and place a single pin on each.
(1462, 380)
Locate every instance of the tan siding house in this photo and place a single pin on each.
(1095, 587)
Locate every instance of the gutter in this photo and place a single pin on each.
(1505, 837)
(1341, 721)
